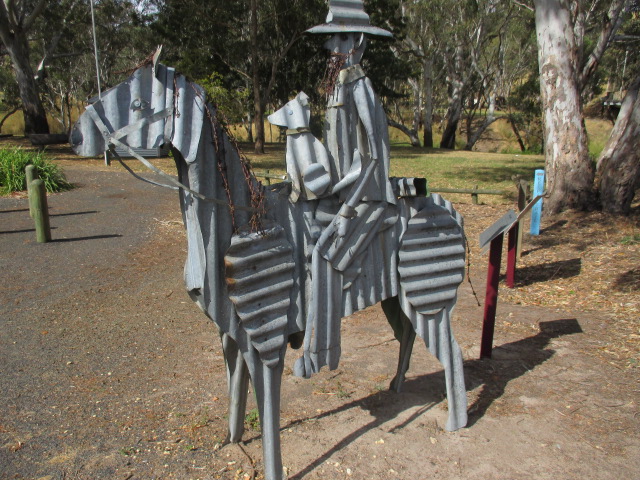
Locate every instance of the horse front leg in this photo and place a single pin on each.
(238, 385)
(405, 334)
(267, 383)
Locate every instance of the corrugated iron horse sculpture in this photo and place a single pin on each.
(249, 248)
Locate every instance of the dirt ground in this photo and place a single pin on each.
(110, 372)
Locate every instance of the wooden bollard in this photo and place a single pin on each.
(38, 204)
(31, 174)
(474, 195)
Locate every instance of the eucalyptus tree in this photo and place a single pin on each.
(618, 167)
(619, 163)
(477, 47)
(9, 94)
(422, 43)
(566, 63)
(17, 19)
(67, 70)
(50, 47)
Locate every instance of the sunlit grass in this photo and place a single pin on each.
(442, 168)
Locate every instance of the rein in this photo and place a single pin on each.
(112, 139)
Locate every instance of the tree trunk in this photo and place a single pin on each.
(516, 132)
(427, 137)
(258, 117)
(35, 117)
(619, 163)
(7, 115)
(412, 134)
(453, 117)
(417, 113)
(569, 171)
(249, 126)
(473, 137)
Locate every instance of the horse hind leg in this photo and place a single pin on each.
(440, 342)
(238, 385)
(405, 334)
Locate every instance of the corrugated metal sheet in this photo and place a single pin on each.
(348, 16)
(259, 275)
(431, 259)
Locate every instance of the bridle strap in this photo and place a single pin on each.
(112, 139)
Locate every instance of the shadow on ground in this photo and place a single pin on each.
(547, 271)
(509, 362)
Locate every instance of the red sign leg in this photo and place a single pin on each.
(512, 243)
(491, 297)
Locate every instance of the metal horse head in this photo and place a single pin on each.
(146, 111)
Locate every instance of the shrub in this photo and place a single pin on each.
(12, 175)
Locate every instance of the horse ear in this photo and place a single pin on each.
(156, 57)
(303, 98)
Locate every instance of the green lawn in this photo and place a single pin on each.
(442, 168)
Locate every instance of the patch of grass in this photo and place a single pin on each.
(630, 239)
(13, 162)
(252, 419)
(598, 130)
(342, 393)
(202, 420)
(461, 169)
(127, 451)
(441, 168)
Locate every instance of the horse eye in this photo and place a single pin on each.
(290, 112)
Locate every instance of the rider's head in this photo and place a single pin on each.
(348, 23)
(350, 44)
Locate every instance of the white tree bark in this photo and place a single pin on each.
(619, 162)
(569, 171)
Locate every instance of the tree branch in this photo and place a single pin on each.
(11, 13)
(523, 5)
(35, 13)
(611, 25)
(240, 72)
(7, 115)
(274, 67)
(5, 25)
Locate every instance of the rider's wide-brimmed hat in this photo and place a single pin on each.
(346, 16)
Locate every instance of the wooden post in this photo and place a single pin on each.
(536, 212)
(523, 193)
(512, 242)
(491, 297)
(474, 195)
(38, 202)
(267, 178)
(31, 174)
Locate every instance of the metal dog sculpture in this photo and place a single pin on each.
(248, 248)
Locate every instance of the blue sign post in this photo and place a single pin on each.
(536, 211)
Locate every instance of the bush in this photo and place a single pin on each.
(12, 175)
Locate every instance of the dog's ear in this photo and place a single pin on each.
(302, 98)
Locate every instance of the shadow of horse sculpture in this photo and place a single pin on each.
(492, 375)
(248, 248)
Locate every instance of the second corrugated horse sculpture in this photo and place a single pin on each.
(249, 248)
